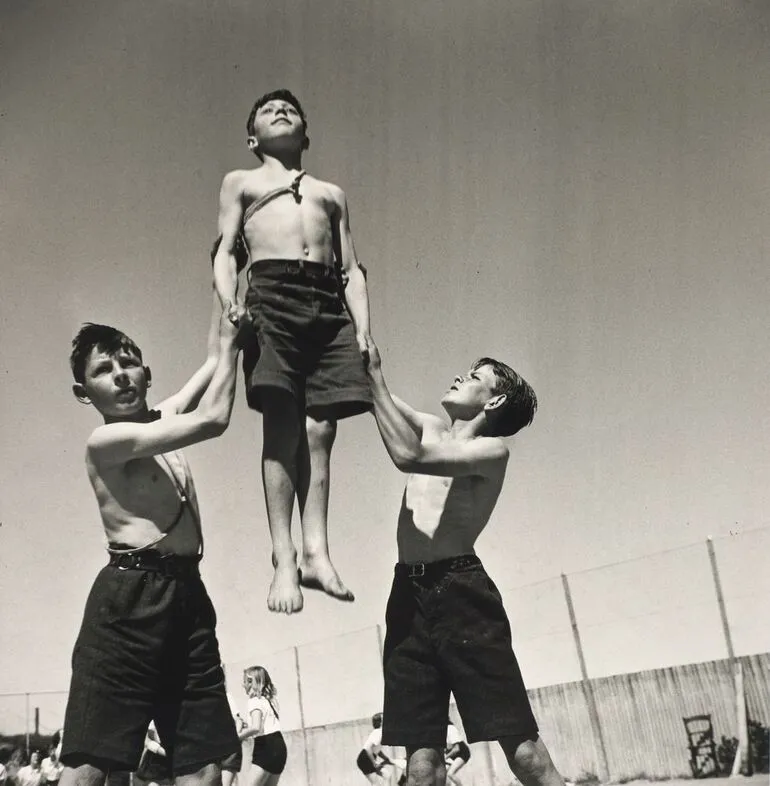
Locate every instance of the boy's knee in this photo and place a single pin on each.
(426, 768)
(320, 433)
(86, 771)
(529, 760)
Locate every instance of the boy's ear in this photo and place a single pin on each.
(79, 391)
(253, 144)
(493, 412)
(495, 403)
(148, 375)
(305, 143)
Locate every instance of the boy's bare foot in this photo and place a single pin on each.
(317, 572)
(285, 596)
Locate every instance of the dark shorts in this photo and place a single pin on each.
(154, 767)
(365, 763)
(270, 752)
(147, 650)
(233, 762)
(303, 341)
(447, 631)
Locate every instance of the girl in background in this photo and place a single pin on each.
(262, 724)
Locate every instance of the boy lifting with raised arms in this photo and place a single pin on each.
(305, 368)
(147, 648)
(447, 630)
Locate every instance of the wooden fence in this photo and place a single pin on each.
(640, 717)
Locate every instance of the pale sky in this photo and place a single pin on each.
(577, 188)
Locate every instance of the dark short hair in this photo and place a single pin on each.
(377, 720)
(520, 404)
(108, 339)
(281, 94)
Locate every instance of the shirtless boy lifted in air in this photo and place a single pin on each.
(447, 629)
(305, 368)
(147, 648)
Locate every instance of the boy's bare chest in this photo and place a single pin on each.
(266, 201)
(148, 487)
(434, 499)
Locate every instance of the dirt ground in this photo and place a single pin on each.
(753, 780)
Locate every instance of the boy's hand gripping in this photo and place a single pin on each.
(371, 354)
(235, 312)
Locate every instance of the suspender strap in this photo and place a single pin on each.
(257, 204)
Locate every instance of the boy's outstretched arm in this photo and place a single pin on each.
(225, 263)
(189, 395)
(117, 443)
(416, 420)
(481, 456)
(356, 293)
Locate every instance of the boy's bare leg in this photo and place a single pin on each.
(208, 775)
(282, 426)
(425, 767)
(316, 569)
(530, 761)
(228, 777)
(84, 775)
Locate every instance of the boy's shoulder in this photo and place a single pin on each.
(332, 189)
(238, 177)
(434, 427)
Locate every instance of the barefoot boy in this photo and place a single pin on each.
(446, 626)
(307, 357)
(147, 648)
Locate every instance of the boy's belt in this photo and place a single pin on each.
(294, 267)
(432, 570)
(167, 564)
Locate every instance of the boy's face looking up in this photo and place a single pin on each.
(114, 382)
(278, 126)
(469, 393)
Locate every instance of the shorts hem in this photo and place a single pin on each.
(187, 768)
(254, 389)
(101, 760)
(492, 734)
(340, 405)
(413, 738)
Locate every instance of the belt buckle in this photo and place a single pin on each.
(166, 565)
(417, 570)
